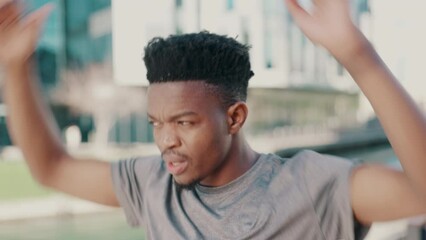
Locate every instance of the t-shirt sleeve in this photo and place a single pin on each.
(130, 178)
(327, 180)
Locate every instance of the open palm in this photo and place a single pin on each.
(18, 36)
(327, 24)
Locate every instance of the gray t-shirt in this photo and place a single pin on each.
(304, 197)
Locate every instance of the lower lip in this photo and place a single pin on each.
(178, 168)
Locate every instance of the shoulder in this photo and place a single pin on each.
(131, 180)
(314, 162)
(138, 167)
(321, 173)
(136, 162)
(310, 164)
(326, 180)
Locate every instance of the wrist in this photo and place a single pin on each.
(17, 66)
(353, 45)
(17, 72)
(17, 62)
(360, 58)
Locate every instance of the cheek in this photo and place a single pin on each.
(156, 135)
(207, 142)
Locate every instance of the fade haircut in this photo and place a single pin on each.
(220, 61)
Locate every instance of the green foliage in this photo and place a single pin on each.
(16, 182)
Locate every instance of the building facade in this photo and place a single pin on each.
(76, 34)
(81, 33)
(281, 56)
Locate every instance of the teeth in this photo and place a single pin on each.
(175, 164)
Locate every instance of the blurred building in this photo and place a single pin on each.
(295, 82)
(313, 88)
(398, 35)
(76, 34)
(281, 55)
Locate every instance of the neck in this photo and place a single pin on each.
(240, 158)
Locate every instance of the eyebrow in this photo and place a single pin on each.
(177, 116)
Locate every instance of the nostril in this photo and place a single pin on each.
(170, 140)
(166, 139)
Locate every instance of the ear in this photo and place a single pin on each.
(237, 115)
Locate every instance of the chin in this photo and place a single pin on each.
(190, 185)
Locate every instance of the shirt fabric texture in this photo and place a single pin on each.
(303, 197)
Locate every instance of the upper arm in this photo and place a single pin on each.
(87, 179)
(379, 193)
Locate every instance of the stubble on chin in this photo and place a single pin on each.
(185, 186)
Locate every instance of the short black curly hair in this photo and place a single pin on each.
(218, 60)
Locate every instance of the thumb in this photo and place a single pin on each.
(294, 7)
(36, 19)
(299, 14)
(34, 22)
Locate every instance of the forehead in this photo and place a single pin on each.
(181, 95)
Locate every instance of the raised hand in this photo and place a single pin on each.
(328, 23)
(19, 35)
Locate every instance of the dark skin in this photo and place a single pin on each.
(195, 132)
(215, 151)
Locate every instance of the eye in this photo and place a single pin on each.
(184, 123)
(155, 123)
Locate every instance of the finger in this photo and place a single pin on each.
(299, 14)
(295, 8)
(5, 2)
(7, 11)
(35, 20)
(316, 2)
(38, 17)
(13, 16)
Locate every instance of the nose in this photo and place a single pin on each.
(168, 139)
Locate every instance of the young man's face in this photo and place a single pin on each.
(190, 129)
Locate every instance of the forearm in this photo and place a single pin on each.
(401, 119)
(29, 121)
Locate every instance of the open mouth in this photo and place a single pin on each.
(176, 168)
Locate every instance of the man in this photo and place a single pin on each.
(209, 183)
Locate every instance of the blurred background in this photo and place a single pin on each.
(92, 75)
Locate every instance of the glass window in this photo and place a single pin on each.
(230, 4)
